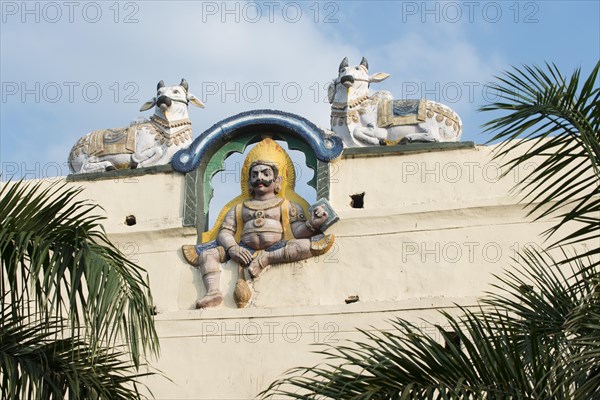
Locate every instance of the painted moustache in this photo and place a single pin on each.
(265, 182)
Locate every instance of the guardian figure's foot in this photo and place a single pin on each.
(259, 264)
(211, 299)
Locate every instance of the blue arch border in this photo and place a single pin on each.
(325, 146)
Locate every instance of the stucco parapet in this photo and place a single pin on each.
(343, 319)
(123, 173)
(154, 237)
(426, 303)
(409, 148)
(376, 222)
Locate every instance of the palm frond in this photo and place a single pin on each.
(557, 122)
(534, 339)
(539, 335)
(57, 259)
(38, 361)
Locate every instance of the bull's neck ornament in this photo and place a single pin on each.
(348, 113)
(351, 104)
(171, 133)
(168, 125)
(362, 119)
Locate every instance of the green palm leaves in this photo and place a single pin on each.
(538, 335)
(39, 362)
(564, 113)
(535, 339)
(68, 296)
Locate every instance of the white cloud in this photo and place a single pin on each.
(247, 65)
(440, 63)
(275, 65)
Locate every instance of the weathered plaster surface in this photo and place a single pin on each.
(434, 228)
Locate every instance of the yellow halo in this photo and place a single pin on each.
(270, 151)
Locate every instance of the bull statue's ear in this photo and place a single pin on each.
(195, 101)
(331, 92)
(148, 105)
(159, 85)
(184, 84)
(378, 77)
(343, 64)
(364, 63)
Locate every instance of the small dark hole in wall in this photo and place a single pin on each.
(525, 289)
(453, 337)
(357, 200)
(130, 220)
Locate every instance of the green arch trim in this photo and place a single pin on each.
(198, 183)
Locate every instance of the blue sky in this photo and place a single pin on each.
(70, 68)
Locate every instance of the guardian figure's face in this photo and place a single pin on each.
(263, 179)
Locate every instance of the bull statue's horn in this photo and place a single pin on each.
(364, 62)
(344, 63)
(184, 84)
(160, 84)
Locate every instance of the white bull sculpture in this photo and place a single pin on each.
(144, 143)
(362, 119)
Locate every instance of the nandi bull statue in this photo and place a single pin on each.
(363, 119)
(144, 143)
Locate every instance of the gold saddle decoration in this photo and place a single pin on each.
(386, 118)
(107, 142)
(266, 150)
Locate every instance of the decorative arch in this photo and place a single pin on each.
(325, 146)
(206, 155)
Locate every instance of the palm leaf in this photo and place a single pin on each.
(559, 120)
(539, 336)
(38, 361)
(534, 339)
(57, 261)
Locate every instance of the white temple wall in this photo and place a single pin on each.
(434, 228)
